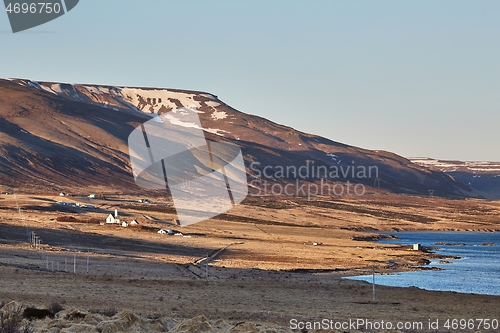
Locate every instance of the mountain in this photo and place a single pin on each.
(57, 136)
(481, 176)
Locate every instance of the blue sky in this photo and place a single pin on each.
(418, 78)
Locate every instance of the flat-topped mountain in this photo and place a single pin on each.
(55, 136)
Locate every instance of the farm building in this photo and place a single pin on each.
(113, 219)
(170, 232)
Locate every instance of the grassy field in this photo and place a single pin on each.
(268, 260)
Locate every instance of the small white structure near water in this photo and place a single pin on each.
(416, 247)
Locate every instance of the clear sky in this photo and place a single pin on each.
(418, 78)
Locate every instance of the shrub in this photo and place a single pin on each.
(11, 322)
(55, 307)
(28, 329)
(66, 219)
(93, 220)
(109, 312)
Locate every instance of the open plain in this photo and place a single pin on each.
(267, 261)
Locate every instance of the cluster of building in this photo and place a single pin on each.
(170, 232)
(75, 205)
(116, 220)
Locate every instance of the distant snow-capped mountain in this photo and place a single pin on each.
(482, 176)
(454, 166)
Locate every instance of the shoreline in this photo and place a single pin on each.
(440, 257)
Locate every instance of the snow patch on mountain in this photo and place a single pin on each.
(176, 121)
(485, 169)
(219, 115)
(154, 100)
(94, 90)
(149, 101)
(47, 89)
(333, 156)
(452, 166)
(212, 104)
(56, 88)
(209, 96)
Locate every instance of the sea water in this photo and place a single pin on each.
(477, 271)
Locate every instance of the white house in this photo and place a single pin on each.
(169, 232)
(124, 224)
(134, 222)
(113, 219)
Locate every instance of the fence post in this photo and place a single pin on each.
(373, 284)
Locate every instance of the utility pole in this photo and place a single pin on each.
(21, 216)
(206, 268)
(74, 264)
(373, 284)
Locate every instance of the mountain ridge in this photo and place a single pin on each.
(93, 122)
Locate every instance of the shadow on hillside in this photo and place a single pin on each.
(73, 239)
